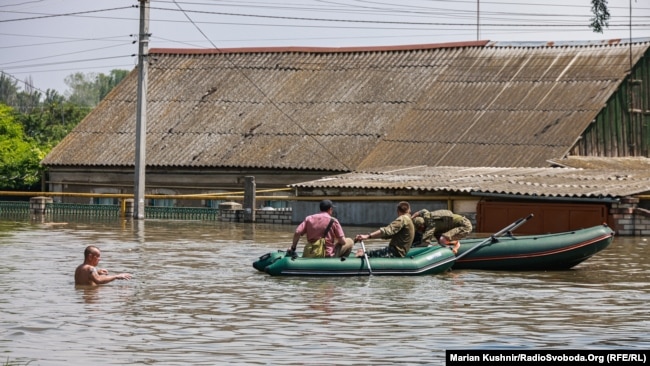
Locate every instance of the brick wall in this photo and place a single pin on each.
(278, 216)
(630, 220)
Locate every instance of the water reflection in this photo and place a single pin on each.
(195, 299)
(89, 294)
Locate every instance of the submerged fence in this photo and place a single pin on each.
(11, 207)
(82, 209)
(23, 209)
(41, 203)
(97, 210)
(181, 213)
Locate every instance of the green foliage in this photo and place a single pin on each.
(106, 83)
(52, 122)
(8, 89)
(19, 158)
(83, 89)
(31, 123)
(89, 89)
(601, 15)
(21, 101)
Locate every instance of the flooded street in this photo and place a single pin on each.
(195, 299)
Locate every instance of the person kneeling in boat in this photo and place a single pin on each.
(314, 226)
(401, 233)
(443, 226)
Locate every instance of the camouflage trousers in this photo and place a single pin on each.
(459, 232)
(386, 252)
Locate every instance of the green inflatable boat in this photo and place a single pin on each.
(419, 261)
(533, 252)
(500, 251)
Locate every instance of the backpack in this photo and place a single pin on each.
(316, 249)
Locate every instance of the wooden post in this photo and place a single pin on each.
(249, 199)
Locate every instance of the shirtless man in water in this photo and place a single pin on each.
(88, 274)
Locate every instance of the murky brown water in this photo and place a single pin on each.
(196, 299)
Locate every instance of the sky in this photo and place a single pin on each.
(44, 41)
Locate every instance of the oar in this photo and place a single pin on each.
(363, 247)
(505, 230)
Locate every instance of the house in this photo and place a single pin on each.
(289, 115)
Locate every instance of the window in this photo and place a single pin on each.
(105, 200)
(163, 202)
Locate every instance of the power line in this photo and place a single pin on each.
(59, 55)
(23, 3)
(362, 16)
(383, 22)
(68, 62)
(64, 40)
(442, 12)
(267, 97)
(44, 16)
(23, 82)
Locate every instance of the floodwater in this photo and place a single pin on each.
(195, 299)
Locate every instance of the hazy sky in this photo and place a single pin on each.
(47, 40)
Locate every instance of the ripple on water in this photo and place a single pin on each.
(195, 299)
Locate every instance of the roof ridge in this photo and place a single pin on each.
(308, 49)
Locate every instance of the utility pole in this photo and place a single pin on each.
(141, 117)
(478, 19)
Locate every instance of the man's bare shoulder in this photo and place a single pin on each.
(84, 267)
(83, 275)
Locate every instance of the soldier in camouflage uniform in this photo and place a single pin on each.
(444, 226)
(401, 233)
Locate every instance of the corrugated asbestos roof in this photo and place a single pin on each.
(471, 104)
(596, 162)
(532, 182)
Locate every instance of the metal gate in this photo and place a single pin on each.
(549, 217)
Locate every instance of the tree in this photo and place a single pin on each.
(8, 89)
(50, 123)
(89, 89)
(83, 91)
(22, 101)
(29, 127)
(601, 15)
(19, 158)
(29, 98)
(106, 83)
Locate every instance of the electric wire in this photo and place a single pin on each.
(453, 19)
(44, 16)
(267, 97)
